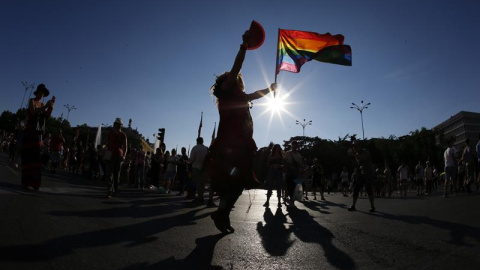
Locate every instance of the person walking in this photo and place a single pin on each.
(388, 184)
(276, 160)
(428, 179)
(468, 160)
(197, 159)
(37, 114)
(450, 168)
(155, 169)
(344, 181)
(171, 171)
(294, 164)
(403, 174)
(318, 179)
(419, 178)
(140, 158)
(182, 171)
(233, 151)
(365, 175)
(115, 152)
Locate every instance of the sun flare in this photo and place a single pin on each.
(275, 104)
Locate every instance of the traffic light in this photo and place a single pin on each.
(161, 134)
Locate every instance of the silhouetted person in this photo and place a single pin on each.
(366, 175)
(37, 114)
(116, 149)
(234, 148)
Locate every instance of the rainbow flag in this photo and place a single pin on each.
(295, 48)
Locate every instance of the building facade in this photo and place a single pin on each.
(461, 126)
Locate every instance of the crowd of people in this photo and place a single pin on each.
(227, 166)
(289, 169)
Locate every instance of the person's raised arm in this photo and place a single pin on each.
(237, 65)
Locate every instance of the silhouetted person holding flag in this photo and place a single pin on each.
(233, 151)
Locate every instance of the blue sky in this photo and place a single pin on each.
(154, 62)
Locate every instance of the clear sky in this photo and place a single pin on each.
(154, 62)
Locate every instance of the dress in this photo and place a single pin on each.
(32, 144)
(233, 151)
(231, 154)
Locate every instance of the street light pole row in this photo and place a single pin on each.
(360, 109)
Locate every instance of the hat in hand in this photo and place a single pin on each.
(256, 37)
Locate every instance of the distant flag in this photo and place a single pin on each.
(98, 138)
(200, 126)
(213, 134)
(295, 48)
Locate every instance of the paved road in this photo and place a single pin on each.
(70, 225)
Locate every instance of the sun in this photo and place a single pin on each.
(275, 104)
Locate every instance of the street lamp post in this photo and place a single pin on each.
(27, 86)
(303, 124)
(360, 109)
(69, 108)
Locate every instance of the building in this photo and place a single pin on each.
(461, 126)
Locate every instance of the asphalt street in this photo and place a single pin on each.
(69, 224)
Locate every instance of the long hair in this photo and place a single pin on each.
(216, 88)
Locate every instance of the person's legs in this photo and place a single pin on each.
(117, 164)
(221, 217)
(468, 177)
(270, 182)
(291, 188)
(197, 176)
(371, 197)
(109, 177)
(448, 179)
(356, 191)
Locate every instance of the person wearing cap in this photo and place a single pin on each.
(115, 152)
(37, 114)
(233, 150)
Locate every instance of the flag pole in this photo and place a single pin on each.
(276, 62)
(200, 126)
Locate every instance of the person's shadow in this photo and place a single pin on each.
(130, 235)
(308, 230)
(275, 236)
(200, 257)
(458, 232)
